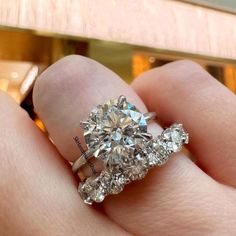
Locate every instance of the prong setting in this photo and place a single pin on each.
(116, 131)
(121, 100)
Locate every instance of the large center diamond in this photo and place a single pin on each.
(113, 131)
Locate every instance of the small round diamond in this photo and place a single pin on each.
(171, 140)
(136, 168)
(157, 153)
(98, 194)
(118, 181)
(175, 137)
(92, 190)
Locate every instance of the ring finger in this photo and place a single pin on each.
(65, 93)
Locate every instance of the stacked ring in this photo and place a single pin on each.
(116, 133)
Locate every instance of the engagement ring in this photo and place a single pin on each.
(116, 133)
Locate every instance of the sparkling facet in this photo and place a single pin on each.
(118, 181)
(98, 194)
(175, 137)
(95, 189)
(157, 152)
(92, 190)
(113, 129)
(171, 140)
(136, 168)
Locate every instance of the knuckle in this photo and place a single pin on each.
(188, 70)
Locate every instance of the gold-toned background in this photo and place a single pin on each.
(130, 37)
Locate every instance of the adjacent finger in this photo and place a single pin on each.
(182, 91)
(37, 190)
(65, 94)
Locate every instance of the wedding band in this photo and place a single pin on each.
(116, 133)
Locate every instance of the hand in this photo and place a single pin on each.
(38, 192)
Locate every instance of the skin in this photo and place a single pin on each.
(38, 192)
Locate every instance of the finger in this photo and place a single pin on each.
(65, 94)
(37, 191)
(62, 98)
(183, 91)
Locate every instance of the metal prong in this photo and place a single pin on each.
(83, 124)
(150, 116)
(186, 139)
(121, 99)
(146, 136)
(78, 163)
(82, 160)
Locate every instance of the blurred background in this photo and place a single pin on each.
(129, 37)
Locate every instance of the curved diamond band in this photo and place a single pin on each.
(116, 133)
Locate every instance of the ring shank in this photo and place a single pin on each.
(82, 160)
